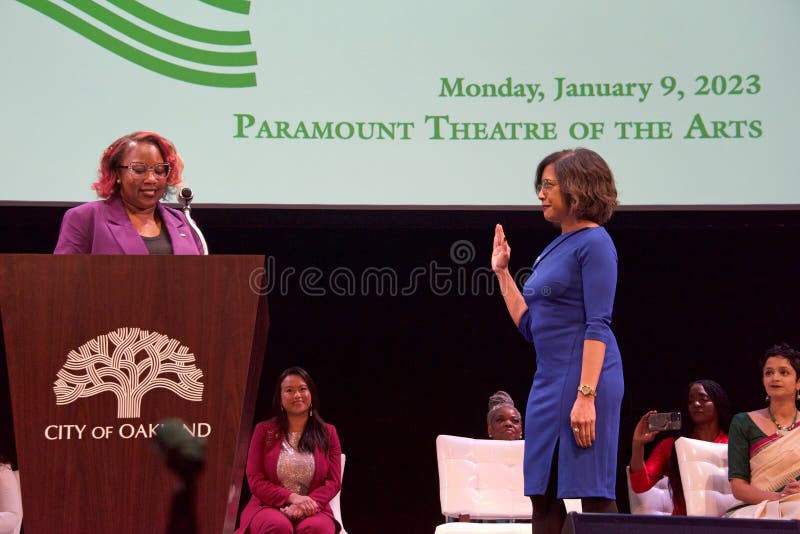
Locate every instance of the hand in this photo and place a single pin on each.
(501, 253)
(791, 488)
(293, 512)
(641, 433)
(582, 420)
(305, 503)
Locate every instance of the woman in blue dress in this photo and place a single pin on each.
(564, 309)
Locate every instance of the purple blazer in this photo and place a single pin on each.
(103, 227)
(262, 473)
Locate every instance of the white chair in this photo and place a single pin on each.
(19, 526)
(704, 476)
(655, 501)
(483, 478)
(335, 503)
(10, 500)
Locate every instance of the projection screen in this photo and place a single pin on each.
(412, 103)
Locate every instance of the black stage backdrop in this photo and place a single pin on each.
(396, 316)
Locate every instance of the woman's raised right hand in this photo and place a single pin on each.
(501, 253)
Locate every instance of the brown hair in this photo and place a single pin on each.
(585, 182)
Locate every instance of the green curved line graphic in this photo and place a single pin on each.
(147, 38)
(236, 6)
(126, 51)
(195, 33)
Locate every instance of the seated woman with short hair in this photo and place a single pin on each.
(764, 445)
(503, 422)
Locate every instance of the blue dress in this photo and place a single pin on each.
(570, 295)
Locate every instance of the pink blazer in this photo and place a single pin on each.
(262, 473)
(103, 227)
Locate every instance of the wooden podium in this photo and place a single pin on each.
(100, 349)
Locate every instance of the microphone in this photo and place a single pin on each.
(185, 198)
(183, 453)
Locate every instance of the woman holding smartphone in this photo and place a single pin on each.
(709, 417)
(564, 308)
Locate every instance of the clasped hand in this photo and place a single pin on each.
(300, 506)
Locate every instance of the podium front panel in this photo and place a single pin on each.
(100, 349)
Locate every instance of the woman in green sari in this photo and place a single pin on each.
(764, 445)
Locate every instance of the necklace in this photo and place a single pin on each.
(782, 430)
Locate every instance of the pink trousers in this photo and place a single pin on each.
(272, 521)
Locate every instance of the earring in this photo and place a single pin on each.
(766, 399)
(118, 181)
(798, 394)
(310, 412)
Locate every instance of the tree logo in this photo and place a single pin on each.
(132, 30)
(112, 362)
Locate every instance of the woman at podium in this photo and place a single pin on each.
(294, 465)
(136, 172)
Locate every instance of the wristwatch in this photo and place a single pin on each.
(589, 391)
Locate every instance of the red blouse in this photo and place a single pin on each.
(655, 468)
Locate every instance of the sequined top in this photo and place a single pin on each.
(295, 468)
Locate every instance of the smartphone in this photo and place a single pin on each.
(664, 421)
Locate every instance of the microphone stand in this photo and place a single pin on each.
(185, 197)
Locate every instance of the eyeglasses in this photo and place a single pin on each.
(545, 185)
(160, 170)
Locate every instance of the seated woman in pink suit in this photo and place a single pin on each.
(294, 465)
(136, 172)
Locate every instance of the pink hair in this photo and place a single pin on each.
(106, 184)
